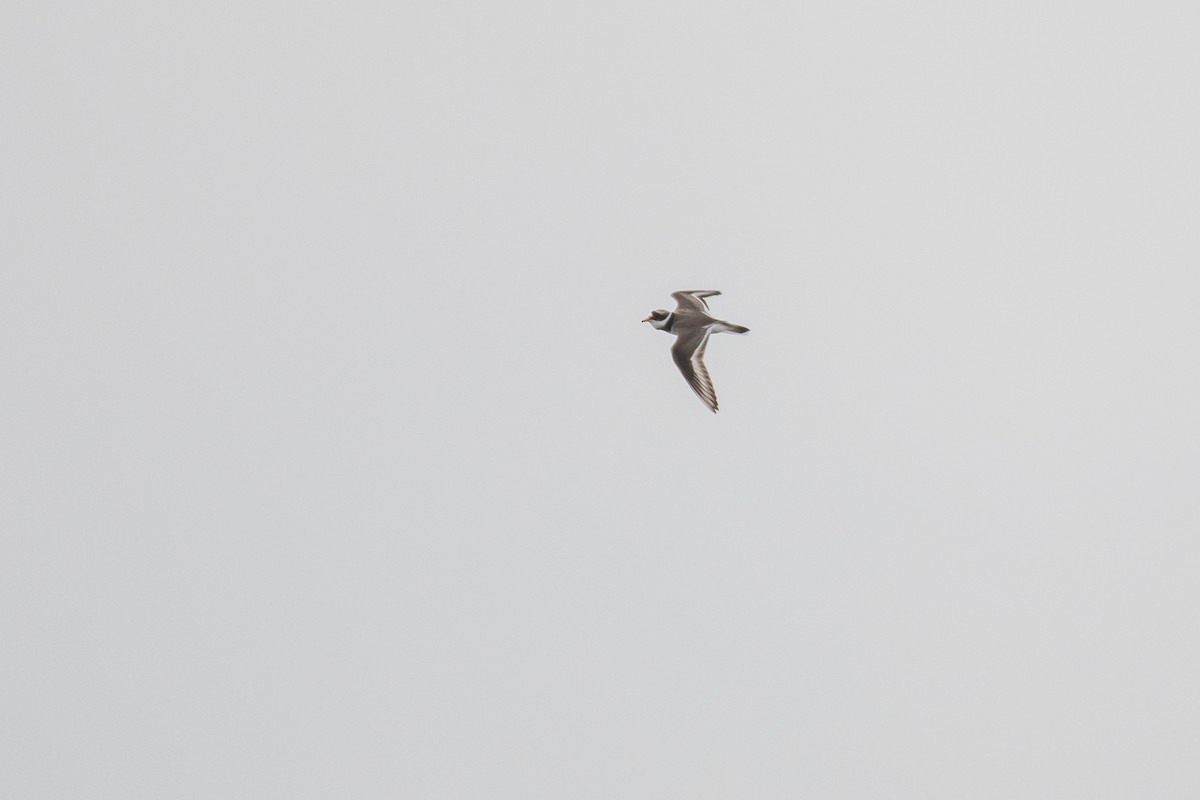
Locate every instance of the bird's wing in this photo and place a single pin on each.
(693, 299)
(688, 352)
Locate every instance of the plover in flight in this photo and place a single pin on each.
(691, 325)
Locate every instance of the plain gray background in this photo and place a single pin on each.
(336, 462)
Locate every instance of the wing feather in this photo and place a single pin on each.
(688, 353)
(693, 299)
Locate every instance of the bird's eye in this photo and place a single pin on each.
(659, 315)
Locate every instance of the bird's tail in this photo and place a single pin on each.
(731, 328)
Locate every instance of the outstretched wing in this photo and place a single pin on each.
(693, 299)
(688, 352)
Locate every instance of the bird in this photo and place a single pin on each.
(691, 325)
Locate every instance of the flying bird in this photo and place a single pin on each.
(691, 324)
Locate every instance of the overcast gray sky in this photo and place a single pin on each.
(336, 462)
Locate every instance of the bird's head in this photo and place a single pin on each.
(659, 318)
